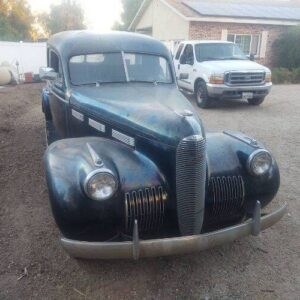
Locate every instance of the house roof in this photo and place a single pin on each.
(244, 10)
(284, 12)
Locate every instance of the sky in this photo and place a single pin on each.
(100, 15)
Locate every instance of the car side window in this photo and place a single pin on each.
(179, 51)
(55, 63)
(187, 56)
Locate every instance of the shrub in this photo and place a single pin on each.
(286, 49)
(281, 75)
(296, 75)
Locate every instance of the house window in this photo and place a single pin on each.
(249, 43)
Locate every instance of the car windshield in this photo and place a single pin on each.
(116, 67)
(219, 51)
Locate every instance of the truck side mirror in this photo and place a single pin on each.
(47, 73)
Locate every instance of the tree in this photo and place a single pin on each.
(15, 20)
(66, 16)
(287, 49)
(130, 8)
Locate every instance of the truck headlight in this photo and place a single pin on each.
(100, 185)
(216, 79)
(259, 162)
(268, 77)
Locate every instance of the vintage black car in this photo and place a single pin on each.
(130, 169)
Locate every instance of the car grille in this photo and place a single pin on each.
(245, 78)
(147, 206)
(190, 184)
(227, 195)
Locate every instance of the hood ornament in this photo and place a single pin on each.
(98, 162)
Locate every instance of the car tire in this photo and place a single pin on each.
(256, 101)
(201, 95)
(50, 133)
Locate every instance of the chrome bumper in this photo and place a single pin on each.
(223, 90)
(172, 246)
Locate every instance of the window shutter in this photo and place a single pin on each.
(263, 45)
(224, 35)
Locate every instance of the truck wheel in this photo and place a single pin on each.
(256, 101)
(201, 95)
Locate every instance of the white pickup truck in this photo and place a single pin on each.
(220, 70)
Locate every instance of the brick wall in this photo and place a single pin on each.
(213, 31)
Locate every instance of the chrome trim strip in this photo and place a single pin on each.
(169, 246)
(98, 126)
(79, 116)
(57, 96)
(123, 138)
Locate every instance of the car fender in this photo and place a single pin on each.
(69, 161)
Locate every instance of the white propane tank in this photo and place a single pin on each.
(5, 76)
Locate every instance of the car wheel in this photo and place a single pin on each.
(50, 134)
(256, 101)
(201, 95)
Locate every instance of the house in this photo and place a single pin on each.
(254, 25)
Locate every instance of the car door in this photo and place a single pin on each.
(186, 68)
(57, 100)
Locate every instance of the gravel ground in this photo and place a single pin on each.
(34, 266)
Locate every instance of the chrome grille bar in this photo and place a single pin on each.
(245, 78)
(147, 206)
(190, 184)
(227, 194)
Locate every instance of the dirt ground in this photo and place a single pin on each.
(34, 266)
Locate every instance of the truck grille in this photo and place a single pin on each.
(245, 78)
(190, 184)
(147, 206)
(227, 195)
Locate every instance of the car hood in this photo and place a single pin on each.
(221, 66)
(140, 109)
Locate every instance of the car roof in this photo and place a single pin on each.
(78, 42)
(194, 42)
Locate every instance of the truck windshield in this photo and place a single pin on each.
(218, 51)
(118, 67)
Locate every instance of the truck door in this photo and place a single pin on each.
(57, 101)
(185, 68)
(176, 59)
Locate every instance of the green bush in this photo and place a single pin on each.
(284, 75)
(296, 75)
(281, 75)
(286, 49)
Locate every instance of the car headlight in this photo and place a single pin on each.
(268, 77)
(100, 185)
(216, 79)
(259, 162)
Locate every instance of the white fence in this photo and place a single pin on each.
(31, 56)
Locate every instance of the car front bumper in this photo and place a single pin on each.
(171, 246)
(236, 92)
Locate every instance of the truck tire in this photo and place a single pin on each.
(201, 95)
(256, 101)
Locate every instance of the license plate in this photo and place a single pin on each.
(247, 95)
